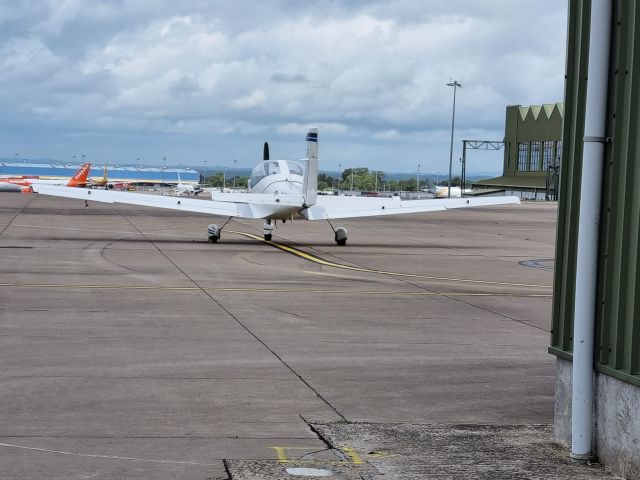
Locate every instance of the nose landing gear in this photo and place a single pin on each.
(268, 230)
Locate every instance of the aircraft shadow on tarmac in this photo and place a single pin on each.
(287, 243)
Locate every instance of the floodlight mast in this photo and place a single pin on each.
(455, 85)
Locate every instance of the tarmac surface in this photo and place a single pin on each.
(132, 348)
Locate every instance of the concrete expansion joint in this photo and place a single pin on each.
(317, 433)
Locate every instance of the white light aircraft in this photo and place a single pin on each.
(186, 188)
(456, 192)
(280, 190)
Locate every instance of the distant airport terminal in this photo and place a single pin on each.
(146, 175)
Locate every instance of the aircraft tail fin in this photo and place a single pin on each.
(80, 177)
(311, 171)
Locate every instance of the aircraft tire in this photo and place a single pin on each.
(268, 237)
(342, 242)
(213, 239)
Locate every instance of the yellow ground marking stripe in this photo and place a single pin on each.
(271, 290)
(282, 456)
(320, 261)
(353, 455)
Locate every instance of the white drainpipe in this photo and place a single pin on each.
(588, 229)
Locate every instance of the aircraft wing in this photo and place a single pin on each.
(330, 207)
(245, 205)
(227, 209)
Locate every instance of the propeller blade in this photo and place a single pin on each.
(265, 152)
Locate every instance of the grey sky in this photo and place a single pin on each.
(205, 80)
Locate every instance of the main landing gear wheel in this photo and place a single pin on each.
(268, 237)
(213, 233)
(341, 236)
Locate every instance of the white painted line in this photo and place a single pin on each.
(309, 472)
(109, 457)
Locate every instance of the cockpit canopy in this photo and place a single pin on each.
(263, 169)
(275, 167)
(295, 168)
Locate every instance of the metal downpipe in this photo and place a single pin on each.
(588, 229)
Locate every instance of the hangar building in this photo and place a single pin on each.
(532, 151)
(596, 307)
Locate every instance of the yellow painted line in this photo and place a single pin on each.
(320, 261)
(273, 290)
(282, 455)
(353, 455)
(313, 258)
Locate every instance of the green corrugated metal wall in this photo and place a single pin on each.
(618, 300)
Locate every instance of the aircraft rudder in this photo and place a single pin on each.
(81, 175)
(311, 171)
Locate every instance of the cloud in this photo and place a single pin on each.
(288, 78)
(369, 72)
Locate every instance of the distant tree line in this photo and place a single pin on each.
(361, 179)
(218, 180)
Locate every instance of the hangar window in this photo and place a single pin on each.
(523, 155)
(534, 165)
(558, 152)
(547, 154)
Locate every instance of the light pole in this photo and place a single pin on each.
(164, 166)
(455, 85)
(376, 181)
(418, 179)
(235, 173)
(137, 172)
(224, 179)
(339, 176)
(352, 181)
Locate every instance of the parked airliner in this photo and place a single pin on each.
(18, 184)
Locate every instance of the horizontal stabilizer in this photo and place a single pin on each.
(259, 198)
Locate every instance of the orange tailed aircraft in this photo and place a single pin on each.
(20, 184)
